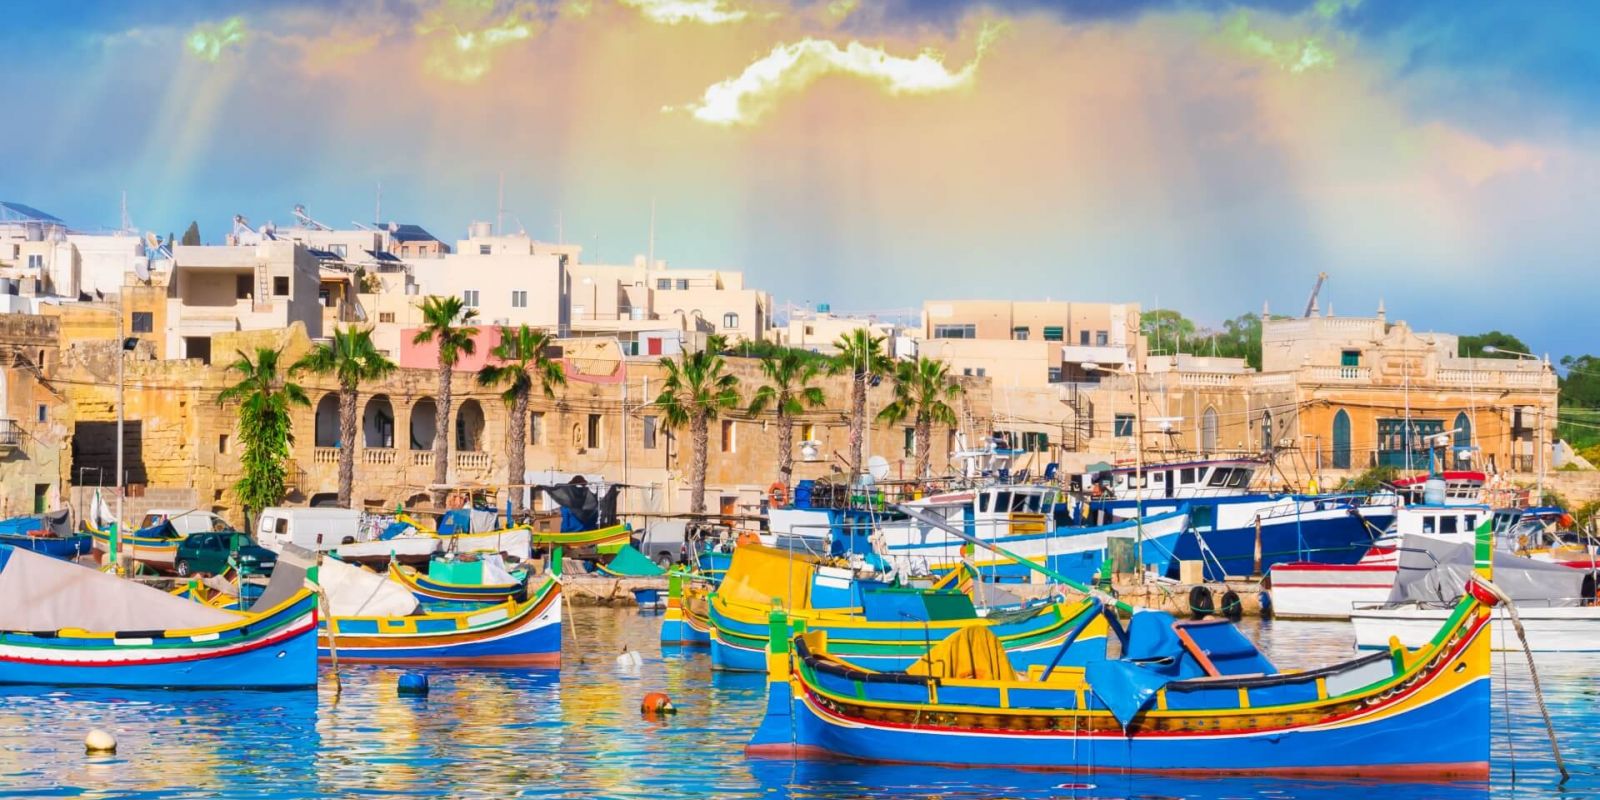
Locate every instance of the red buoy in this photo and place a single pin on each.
(657, 703)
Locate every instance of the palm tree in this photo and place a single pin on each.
(861, 355)
(921, 391)
(697, 389)
(266, 431)
(447, 322)
(352, 359)
(788, 390)
(523, 363)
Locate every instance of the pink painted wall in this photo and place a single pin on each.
(426, 355)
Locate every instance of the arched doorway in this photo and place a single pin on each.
(1463, 441)
(327, 421)
(424, 423)
(377, 423)
(1208, 431)
(1341, 440)
(1266, 431)
(469, 427)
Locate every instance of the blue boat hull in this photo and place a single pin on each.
(290, 663)
(68, 548)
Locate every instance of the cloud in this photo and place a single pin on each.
(789, 68)
(1294, 54)
(673, 12)
(206, 42)
(463, 36)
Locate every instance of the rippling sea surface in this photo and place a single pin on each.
(522, 733)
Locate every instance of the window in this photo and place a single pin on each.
(663, 283)
(1219, 477)
(484, 249)
(808, 432)
(1159, 477)
(910, 441)
(1100, 338)
(1429, 523)
(982, 371)
(649, 433)
(197, 347)
(730, 436)
(536, 428)
(1240, 478)
(324, 297)
(1401, 444)
(1035, 441)
(1122, 425)
(470, 298)
(983, 502)
(594, 432)
(222, 443)
(280, 286)
(966, 371)
(339, 250)
(1447, 524)
(241, 287)
(955, 331)
(1186, 475)
(810, 331)
(519, 299)
(730, 320)
(1020, 333)
(44, 412)
(1350, 358)
(1469, 524)
(1083, 337)
(1053, 375)
(1052, 333)
(35, 261)
(386, 316)
(683, 283)
(144, 322)
(1002, 502)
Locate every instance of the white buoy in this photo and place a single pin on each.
(629, 658)
(99, 741)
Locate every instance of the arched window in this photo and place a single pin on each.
(1266, 431)
(1463, 441)
(1208, 431)
(730, 320)
(1341, 440)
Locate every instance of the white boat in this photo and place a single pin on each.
(1555, 602)
(405, 549)
(1308, 590)
(418, 546)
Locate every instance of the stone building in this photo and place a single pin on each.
(35, 423)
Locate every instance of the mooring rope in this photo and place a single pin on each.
(1533, 672)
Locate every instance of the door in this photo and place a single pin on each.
(653, 345)
(1341, 440)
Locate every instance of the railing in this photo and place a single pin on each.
(1342, 374)
(1494, 377)
(421, 458)
(1272, 379)
(10, 433)
(378, 456)
(325, 455)
(472, 460)
(1222, 379)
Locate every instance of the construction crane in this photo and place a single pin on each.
(1311, 302)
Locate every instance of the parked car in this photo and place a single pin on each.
(209, 553)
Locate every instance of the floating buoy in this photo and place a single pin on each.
(657, 703)
(629, 658)
(1200, 602)
(1232, 606)
(413, 683)
(99, 741)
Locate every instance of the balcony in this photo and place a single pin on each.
(378, 456)
(10, 435)
(421, 458)
(325, 455)
(1341, 374)
(472, 461)
(1498, 378)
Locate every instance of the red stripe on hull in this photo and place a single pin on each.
(220, 651)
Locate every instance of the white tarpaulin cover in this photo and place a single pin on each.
(494, 571)
(39, 593)
(355, 592)
(1436, 572)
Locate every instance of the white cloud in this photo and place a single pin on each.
(672, 12)
(791, 67)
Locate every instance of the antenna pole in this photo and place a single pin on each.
(377, 205)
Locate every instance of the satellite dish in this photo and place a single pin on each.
(878, 468)
(141, 268)
(810, 450)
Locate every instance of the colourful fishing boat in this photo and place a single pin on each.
(155, 547)
(68, 625)
(428, 588)
(685, 622)
(608, 539)
(50, 534)
(872, 624)
(1184, 697)
(513, 633)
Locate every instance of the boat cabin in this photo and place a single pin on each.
(996, 510)
(1180, 480)
(1456, 523)
(1460, 487)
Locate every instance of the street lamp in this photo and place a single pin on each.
(1492, 349)
(125, 345)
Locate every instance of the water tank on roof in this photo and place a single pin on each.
(1433, 492)
(479, 230)
(824, 308)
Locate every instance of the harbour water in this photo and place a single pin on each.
(495, 733)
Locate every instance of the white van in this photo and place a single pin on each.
(185, 520)
(320, 529)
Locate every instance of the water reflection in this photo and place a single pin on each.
(578, 734)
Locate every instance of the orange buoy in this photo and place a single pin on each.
(748, 537)
(657, 703)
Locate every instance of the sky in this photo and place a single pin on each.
(1440, 156)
